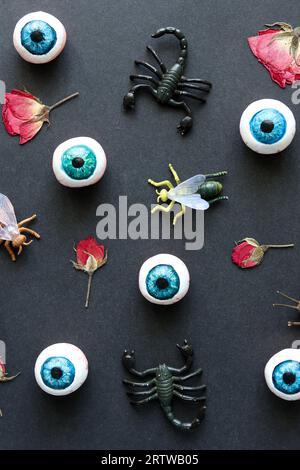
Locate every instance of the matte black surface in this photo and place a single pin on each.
(228, 314)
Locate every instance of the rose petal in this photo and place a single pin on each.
(87, 247)
(28, 130)
(241, 253)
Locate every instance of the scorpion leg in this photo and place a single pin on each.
(156, 57)
(195, 87)
(31, 232)
(26, 221)
(146, 400)
(187, 122)
(185, 377)
(189, 95)
(10, 250)
(144, 77)
(183, 388)
(149, 67)
(187, 398)
(196, 80)
(128, 360)
(143, 393)
(129, 101)
(139, 384)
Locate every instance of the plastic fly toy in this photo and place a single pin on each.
(198, 192)
(12, 232)
(169, 85)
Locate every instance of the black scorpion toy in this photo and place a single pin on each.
(165, 384)
(169, 84)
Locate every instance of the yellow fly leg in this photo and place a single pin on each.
(179, 214)
(162, 208)
(174, 173)
(161, 183)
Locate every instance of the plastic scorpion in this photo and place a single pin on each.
(169, 83)
(166, 384)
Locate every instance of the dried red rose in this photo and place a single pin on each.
(277, 49)
(24, 114)
(90, 256)
(249, 253)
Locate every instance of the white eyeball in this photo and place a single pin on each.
(39, 37)
(61, 369)
(79, 162)
(164, 279)
(267, 126)
(282, 374)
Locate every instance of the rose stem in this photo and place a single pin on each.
(70, 97)
(281, 246)
(88, 290)
(286, 305)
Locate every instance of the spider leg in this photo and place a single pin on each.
(186, 123)
(139, 384)
(26, 221)
(143, 393)
(162, 208)
(196, 80)
(187, 398)
(195, 87)
(185, 377)
(10, 250)
(189, 95)
(146, 400)
(129, 99)
(149, 67)
(31, 232)
(143, 77)
(185, 388)
(158, 59)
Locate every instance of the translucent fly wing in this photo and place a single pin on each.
(194, 201)
(8, 221)
(189, 186)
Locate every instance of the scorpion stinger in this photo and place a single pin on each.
(165, 384)
(168, 86)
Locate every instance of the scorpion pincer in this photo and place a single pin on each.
(168, 86)
(165, 384)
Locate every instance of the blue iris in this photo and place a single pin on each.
(38, 37)
(286, 377)
(268, 126)
(79, 162)
(162, 282)
(58, 372)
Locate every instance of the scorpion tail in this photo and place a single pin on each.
(181, 425)
(180, 36)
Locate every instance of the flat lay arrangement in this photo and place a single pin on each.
(165, 281)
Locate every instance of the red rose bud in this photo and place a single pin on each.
(249, 253)
(23, 114)
(277, 49)
(90, 256)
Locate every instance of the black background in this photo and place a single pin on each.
(228, 313)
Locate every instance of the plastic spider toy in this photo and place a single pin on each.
(198, 192)
(12, 232)
(165, 384)
(169, 84)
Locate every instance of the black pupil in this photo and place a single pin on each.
(56, 372)
(77, 162)
(288, 378)
(37, 36)
(267, 126)
(162, 283)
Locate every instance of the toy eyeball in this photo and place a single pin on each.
(282, 374)
(39, 37)
(267, 126)
(164, 279)
(61, 369)
(79, 162)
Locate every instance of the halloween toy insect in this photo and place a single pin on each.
(165, 384)
(12, 232)
(169, 84)
(296, 307)
(3, 373)
(198, 192)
